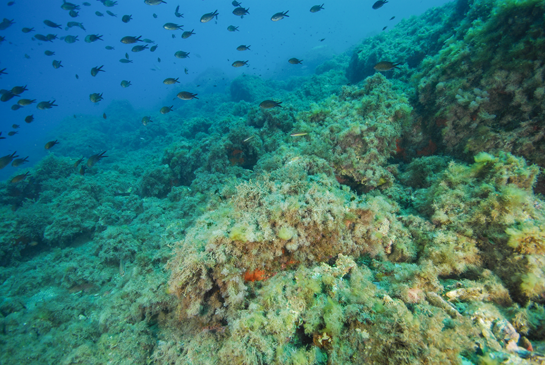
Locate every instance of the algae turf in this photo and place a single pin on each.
(328, 231)
(493, 60)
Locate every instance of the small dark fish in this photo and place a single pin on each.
(50, 144)
(173, 36)
(139, 48)
(379, 4)
(95, 158)
(12, 133)
(1, 136)
(6, 96)
(77, 77)
(95, 97)
(76, 164)
(240, 11)
(43, 105)
(126, 18)
(126, 55)
(15, 126)
(6, 160)
(243, 48)
(316, 8)
(232, 28)
(209, 16)
(159, 59)
(155, 15)
(18, 162)
(239, 63)
(182, 54)
(108, 3)
(98, 13)
(131, 40)
(171, 81)
(51, 24)
(236, 3)
(295, 61)
(41, 37)
(187, 34)
(19, 178)
(11, 3)
(386, 66)
(152, 49)
(28, 30)
(18, 90)
(125, 83)
(3, 71)
(124, 60)
(71, 39)
(154, 2)
(27, 56)
(111, 14)
(385, 28)
(166, 109)
(75, 24)
(109, 48)
(323, 39)
(146, 40)
(185, 71)
(49, 53)
(177, 12)
(104, 115)
(73, 13)
(392, 18)
(29, 119)
(146, 120)
(96, 70)
(85, 3)
(69, 6)
(16, 107)
(269, 104)
(6, 23)
(25, 102)
(279, 16)
(93, 38)
(82, 170)
(172, 26)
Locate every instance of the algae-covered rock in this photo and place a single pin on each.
(491, 208)
(409, 43)
(332, 313)
(483, 91)
(274, 223)
(249, 88)
(357, 132)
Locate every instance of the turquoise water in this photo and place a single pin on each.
(365, 189)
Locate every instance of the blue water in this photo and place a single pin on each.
(342, 25)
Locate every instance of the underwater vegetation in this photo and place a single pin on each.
(395, 220)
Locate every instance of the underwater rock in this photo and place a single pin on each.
(249, 88)
(409, 42)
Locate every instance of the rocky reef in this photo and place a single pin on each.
(395, 220)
